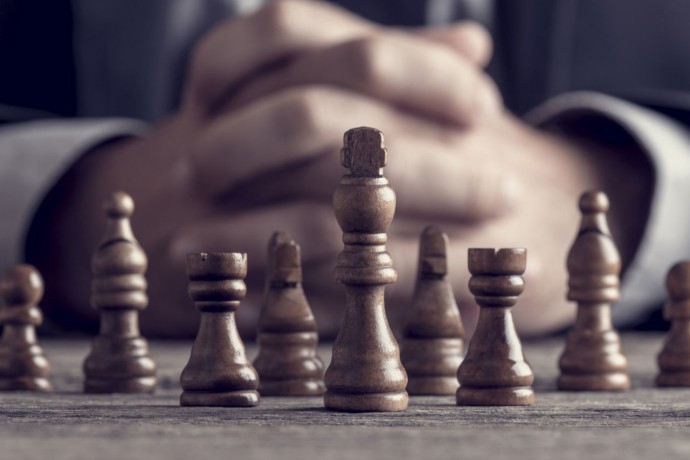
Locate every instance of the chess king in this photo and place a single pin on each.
(365, 374)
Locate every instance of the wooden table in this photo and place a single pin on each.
(643, 423)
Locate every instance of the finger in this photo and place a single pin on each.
(542, 302)
(469, 38)
(417, 75)
(288, 128)
(287, 146)
(238, 49)
(431, 180)
(312, 225)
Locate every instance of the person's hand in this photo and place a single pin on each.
(254, 146)
(253, 149)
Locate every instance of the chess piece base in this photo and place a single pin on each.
(432, 386)
(613, 381)
(376, 402)
(135, 385)
(291, 388)
(25, 384)
(673, 379)
(222, 399)
(511, 396)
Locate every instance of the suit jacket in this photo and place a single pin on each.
(632, 49)
(574, 60)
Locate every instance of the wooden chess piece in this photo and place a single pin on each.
(23, 366)
(119, 361)
(674, 358)
(287, 362)
(218, 372)
(365, 374)
(592, 359)
(494, 371)
(432, 345)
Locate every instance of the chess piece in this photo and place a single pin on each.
(23, 366)
(592, 359)
(494, 371)
(218, 372)
(119, 361)
(674, 358)
(287, 363)
(432, 345)
(365, 374)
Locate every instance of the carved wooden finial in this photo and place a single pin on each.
(593, 261)
(284, 260)
(433, 249)
(678, 283)
(363, 152)
(118, 209)
(594, 205)
(21, 285)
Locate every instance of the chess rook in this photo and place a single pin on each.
(23, 366)
(287, 362)
(218, 372)
(592, 359)
(432, 345)
(119, 361)
(494, 371)
(674, 358)
(365, 374)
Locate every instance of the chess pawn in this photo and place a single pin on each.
(494, 371)
(432, 345)
(218, 372)
(287, 362)
(23, 366)
(674, 358)
(592, 359)
(119, 361)
(365, 374)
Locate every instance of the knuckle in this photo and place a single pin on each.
(299, 113)
(279, 18)
(367, 57)
(203, 68)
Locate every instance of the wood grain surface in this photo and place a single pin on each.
(645, 422)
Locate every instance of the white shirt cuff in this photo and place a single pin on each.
(666, 238)
(33, 156)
